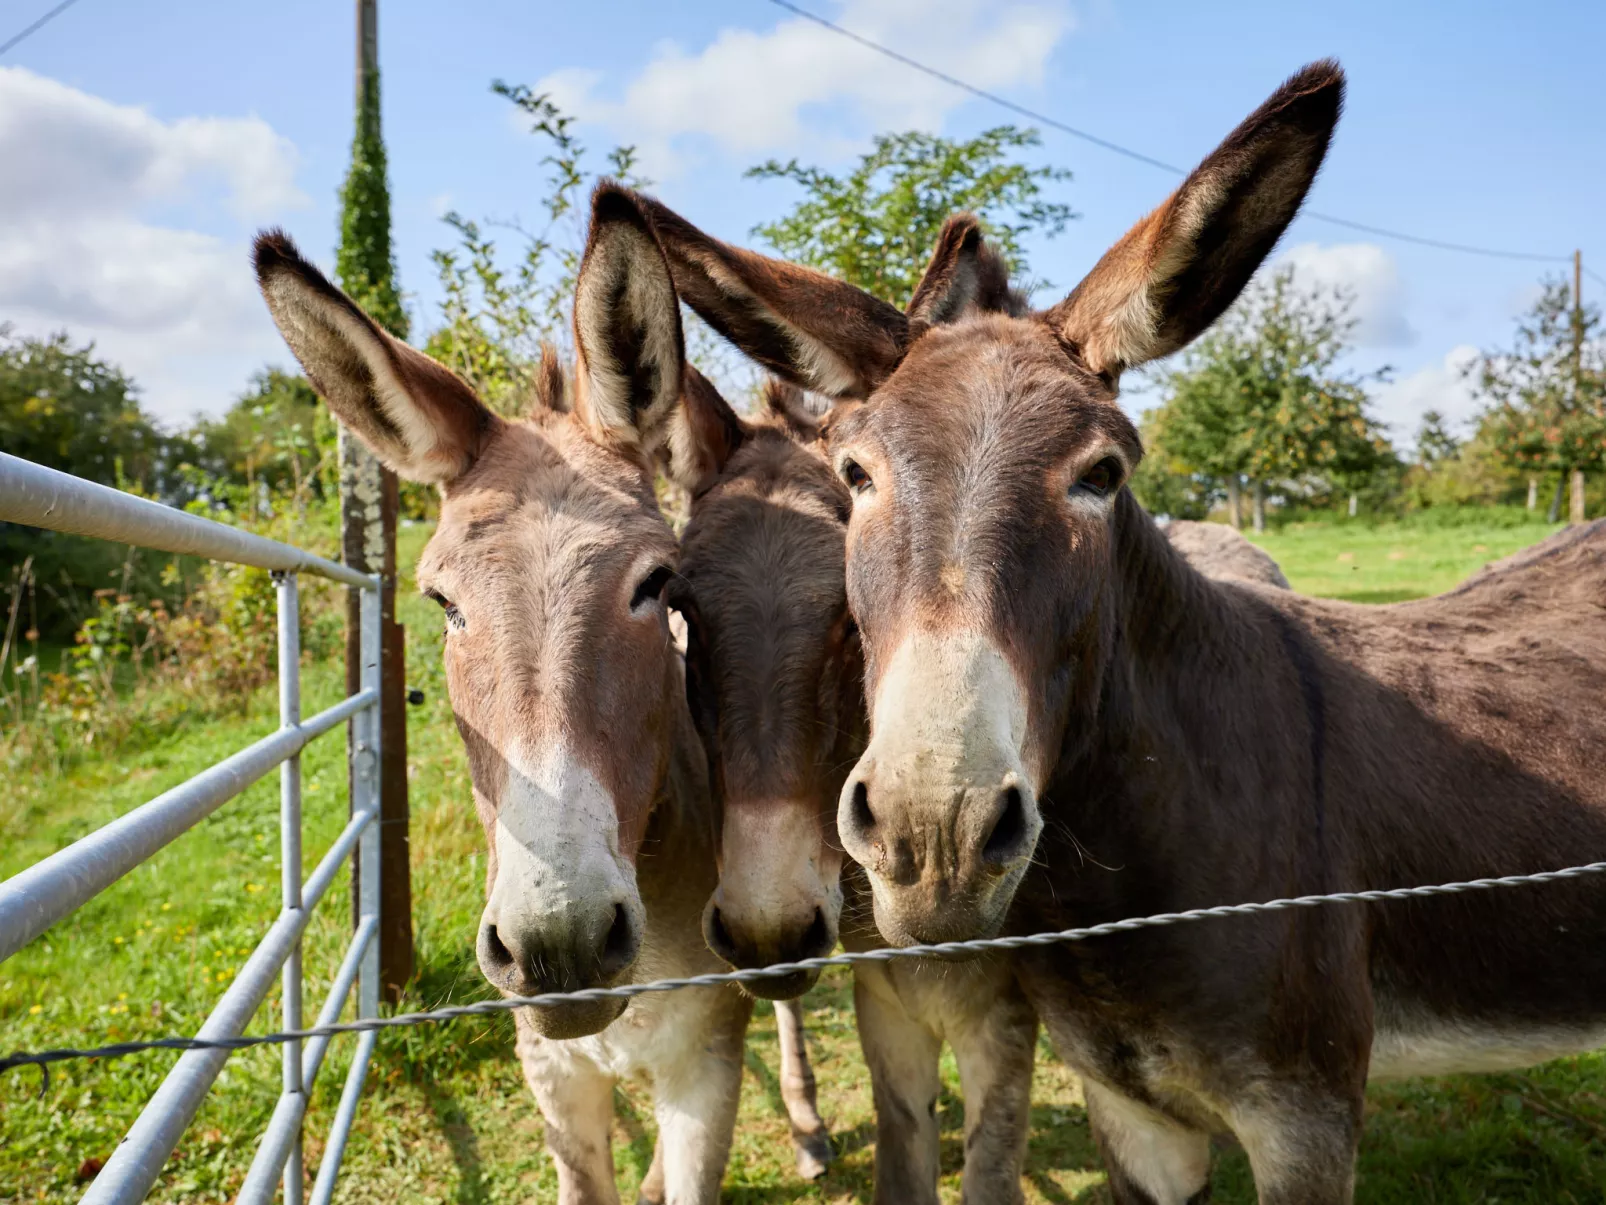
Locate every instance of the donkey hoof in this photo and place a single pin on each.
(813, 1156)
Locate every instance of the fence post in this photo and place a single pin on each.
(369, 501)
(290, 851)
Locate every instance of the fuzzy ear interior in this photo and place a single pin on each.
(1176, 271)
(799, 324)
(703, 434)
(626, 327)
(415, 415)
(966, 276)
(789, 406)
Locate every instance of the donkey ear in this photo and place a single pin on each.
(800, 324)
(418, 417)
(1174, 273)
(626, 327)
(965, 276)
(788, 405)
(704, 433)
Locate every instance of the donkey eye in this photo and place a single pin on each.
(1101, 478)
(454, 617)
(857, 479)
(652, 586)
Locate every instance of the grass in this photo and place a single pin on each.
(446, 1117)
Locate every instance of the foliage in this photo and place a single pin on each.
(1163, 482)
(1435, 443)
(496, 318)
(364, 263)
(277, 436)
(1546, 394)
(876, 226)
(1262, 395)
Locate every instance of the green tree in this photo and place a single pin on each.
(875, 227)
(1263, 396)
(1435, 443)
(275, 436)
(364, 263)
(496, 316)
(1546, 393)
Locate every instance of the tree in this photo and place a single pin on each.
(495, 317)
(364, 263)
(1434, 441)
(876, 226)
(1262, 396)
(1547, 392)
(275, 436)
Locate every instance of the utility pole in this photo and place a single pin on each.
(1576, 510)
(369, 501)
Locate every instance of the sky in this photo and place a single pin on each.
(142, 145)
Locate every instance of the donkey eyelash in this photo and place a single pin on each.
(1102, 479)
(454, 617)
(854, 476)
(652, 586)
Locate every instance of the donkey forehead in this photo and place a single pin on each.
(545, 497)
(1004, 389)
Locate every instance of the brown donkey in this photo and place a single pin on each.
(550, 561)
(1047, 676)
(775, 680)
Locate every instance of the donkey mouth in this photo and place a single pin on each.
(574, 1019)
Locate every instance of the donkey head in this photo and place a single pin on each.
(773, 673)
(550, 563)
(987, 472)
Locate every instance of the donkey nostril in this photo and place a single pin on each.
(619, 947)
(1009, 831)
(495, 950)
(863, 817)
(719, 937)
(817, 941)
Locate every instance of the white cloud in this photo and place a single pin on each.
(1370, 275)
(750, 92)
(174, 306)
(1443, 387)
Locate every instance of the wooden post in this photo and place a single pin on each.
(1575, 512)
(369, 501)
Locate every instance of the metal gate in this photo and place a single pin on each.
(38, 897)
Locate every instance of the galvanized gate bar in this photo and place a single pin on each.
(261, 1181)
(34, 899)
(38, 897)
(41, 497)
(138, 1159)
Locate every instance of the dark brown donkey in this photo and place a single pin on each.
(1040, 662)
(775, 679)
(550, 561)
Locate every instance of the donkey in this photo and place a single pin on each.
(550, 562)
(1046, 674)
(775, 679)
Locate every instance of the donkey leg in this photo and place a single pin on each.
(809, 1136)
(995, 1051)
(1301, 1154)
(902, 1056)
(576, 1100)
(695, 1101)
(652, 1184)
(1151, 1159)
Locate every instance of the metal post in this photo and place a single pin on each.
(290, 852)
(365, 795)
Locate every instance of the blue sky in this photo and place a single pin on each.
(143, 144)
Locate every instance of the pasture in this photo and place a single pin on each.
(448, 1118)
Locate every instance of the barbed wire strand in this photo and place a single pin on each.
(18, 38)
(1139, 156)
(44, 1058)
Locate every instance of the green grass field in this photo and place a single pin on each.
(446, 1117)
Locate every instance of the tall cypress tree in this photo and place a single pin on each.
(365, 265)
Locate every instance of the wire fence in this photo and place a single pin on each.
(949, 949)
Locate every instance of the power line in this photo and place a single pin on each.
(1139, 156)
(38, 25)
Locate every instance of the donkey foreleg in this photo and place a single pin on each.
(576, 1100)
(809, 1136)
(902, 1055)
(995, 1050)
(695, 1100)
(1151, 1160)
